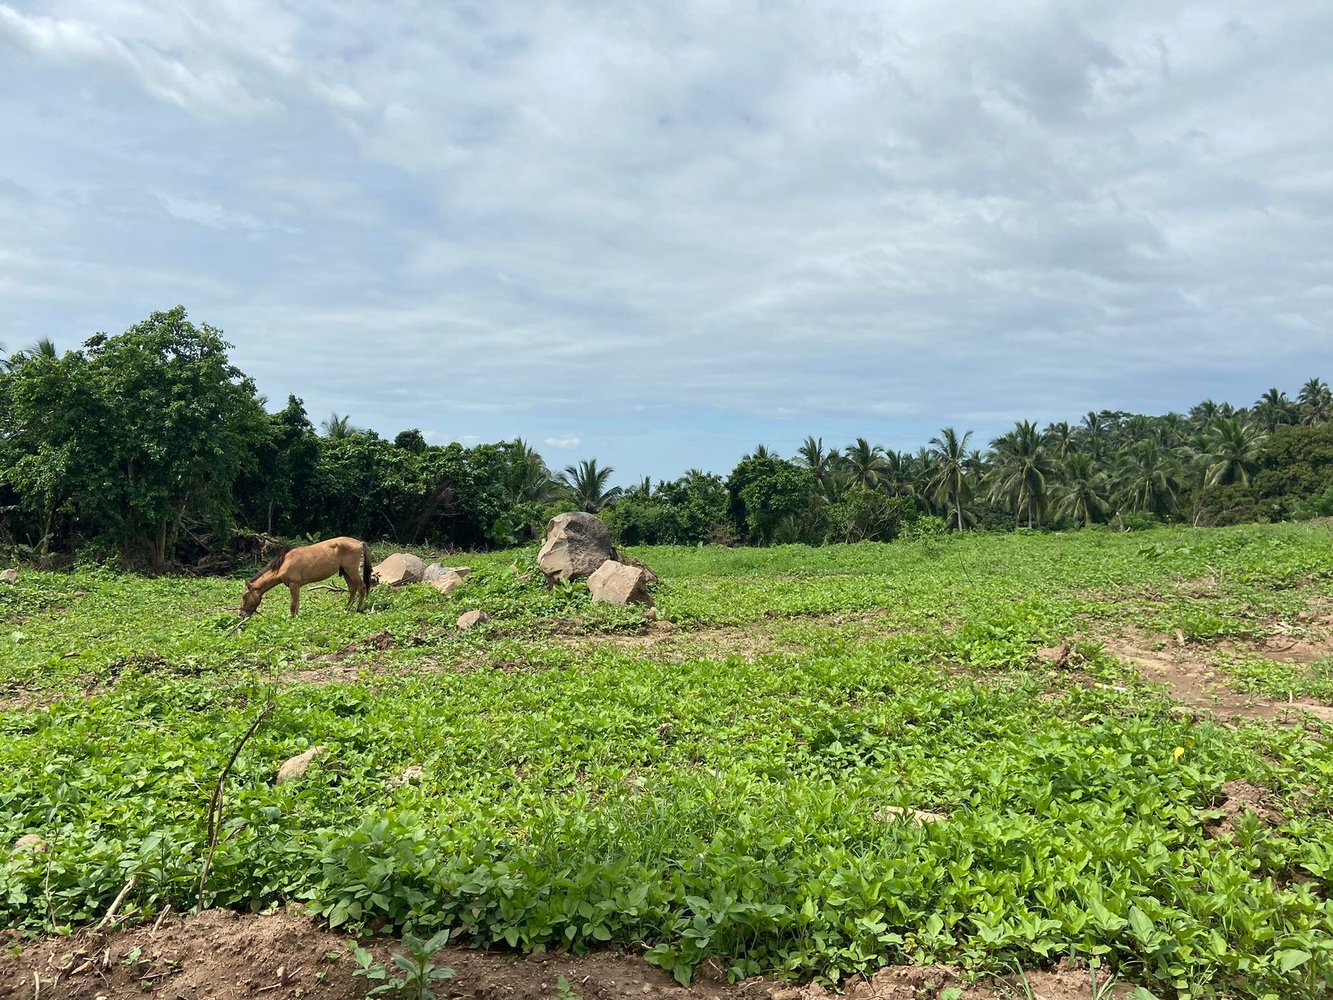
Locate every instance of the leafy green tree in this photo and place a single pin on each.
(587, 485)
(55, 423)
(867, 515)
(172, 426)
(1295, 466)
(763, 492)
(410, 440)
(700, 502)
(281, 492)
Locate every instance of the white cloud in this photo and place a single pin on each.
(755, 222)
(564, 443)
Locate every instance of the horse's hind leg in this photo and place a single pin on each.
(362, 591)
(296, 597)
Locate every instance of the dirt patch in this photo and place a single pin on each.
(221, 955)
(1239, 798)
(1069, 981)
(1187, 672)
(673, 643)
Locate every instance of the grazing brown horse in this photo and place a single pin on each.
(310, 564)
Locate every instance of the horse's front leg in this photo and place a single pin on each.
(295, 588)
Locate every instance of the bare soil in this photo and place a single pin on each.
(221, 955)
(1188, 671)
(1241, 797)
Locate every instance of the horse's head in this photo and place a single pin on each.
(250, 600)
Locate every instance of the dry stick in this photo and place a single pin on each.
(115, 905)
(215, 803)
(160, 917)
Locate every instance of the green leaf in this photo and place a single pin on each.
(1292, 958)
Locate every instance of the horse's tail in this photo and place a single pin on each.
(365, 564)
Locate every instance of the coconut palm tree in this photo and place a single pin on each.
(1203, 414)
(339, 428)
(1022, 471)
(896, 474)
(1316, 401)
(820, 461)
(1081, 496)
(864, 461)
(1170, 428)
(950, 484)
(527, 479)
(1061, 440)
(1273, 409)
(925, 469)
(587, 485)
(43, 348)
(1148, 479)
(1233, 453)
(1096, 433)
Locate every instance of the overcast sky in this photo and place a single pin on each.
(659, 233)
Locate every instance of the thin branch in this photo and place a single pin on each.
(215, 803)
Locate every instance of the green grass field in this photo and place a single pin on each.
(738, 779)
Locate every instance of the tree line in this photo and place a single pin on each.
(152, 447)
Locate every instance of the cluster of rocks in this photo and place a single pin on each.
(578, 547)
(403, 568)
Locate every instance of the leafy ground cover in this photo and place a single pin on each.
(815, 763)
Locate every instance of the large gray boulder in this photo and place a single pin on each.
(398, 569)
(616, 583)
(576, 544)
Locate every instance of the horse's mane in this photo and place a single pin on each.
(274, 563)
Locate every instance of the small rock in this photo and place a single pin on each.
(616, 583)
(1180, 637)
(918, 817)
(1055, 655)
(297, 766)
(411, 776)
(447, 582)
(434, 571)
(29, 842)
(9, 576)
(469, 619)
(650, 615)
(398, 569)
